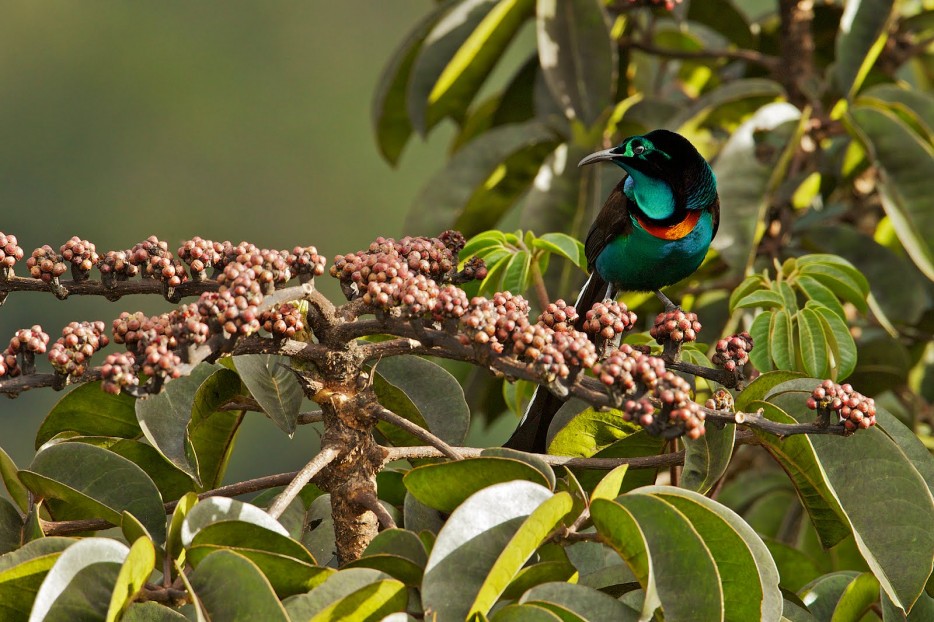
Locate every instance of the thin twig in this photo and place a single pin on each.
(324, 458)
(419, 432)
(772, 63)
(369, 501)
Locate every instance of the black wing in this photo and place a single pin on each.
(613, 220)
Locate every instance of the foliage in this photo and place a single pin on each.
(775, 512)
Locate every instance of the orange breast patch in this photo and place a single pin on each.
(675, 231)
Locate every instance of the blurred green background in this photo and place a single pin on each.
(230, 120)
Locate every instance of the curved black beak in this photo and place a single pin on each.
(599, 156)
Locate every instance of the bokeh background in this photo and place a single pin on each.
(226, 119)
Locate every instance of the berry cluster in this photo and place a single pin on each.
(559, 316)
(10, 253)
(46, 264)
(678, 413)
(721, 400)
(70, 354)
(675, 326)
(283, 321)
(119, 372)
(451, 303)
(608, 319)
(200, 254)
(627, 368)
(387, 263)
(306, 263)
(733, 352)
(116, 266)
(82, 255)
(494, 321)
(855, 409)
(25, 344)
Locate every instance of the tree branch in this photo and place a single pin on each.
(324, 458)
(97, 288)
(605, 464)
(771, 63)
(418, 431)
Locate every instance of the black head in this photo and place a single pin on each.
(660, 154)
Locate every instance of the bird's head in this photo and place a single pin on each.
(660, 154)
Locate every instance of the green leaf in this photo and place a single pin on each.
(164, 418)
(436, 395)
(856, 599)
(707, 458)
(447, 194)
(473, 61)
(89, 411)
(759, 331)
(748, 574)
(723, 17)
(577, 56)
(273, 385)
(11, 526)
(796, 456)
(525, 613)
(356, 593)
(72, 473)
(782, 344)
(590, 432)
(840, 340)
(818, 292)
(795, 567)
(79, 584)
(390, 115)
(750, 163)
(516, 276)
(812, 344)
(907, 166)
(823, 593)
(908, 102)
(530, 459)
(253, 597)
(15, 488)
(537, 574)
(609, 487)
(171, 482)
(900, 549)
(764, 298)
(754, 89)
(22, 573)
(173, 540)
(215, 509)
(444, 486)
(862, 34)
(471, 542)
(757, 389)
(212, 432)
(586, 602)
(564, 245)
(137, 567)
(150, 611)
(749, 285)
(483, 242)
(530, 535)
(662, 548)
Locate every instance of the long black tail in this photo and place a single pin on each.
(533, 429)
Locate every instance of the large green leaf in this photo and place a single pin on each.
(164, 418)
(812, 343)
(79, 585)
(471, 542)
(253, 597)
(860, 40)
(748, 166)
(273, 385)
(663, 549)
(756, 89)
(436, 395)
(14, 487)
(587, 603)
(707, 458)
(723, 17)
(171, 482)
(352, 594)
(577, 56)
(134, 573)
(390, 113)
(91, 412)
(95, 483)
(445, 197)
(900, 549)
(22, 573)
(906, 163)
(212, 432)
(840, 341)
(215, 509)
(11, 526)
(747, 572)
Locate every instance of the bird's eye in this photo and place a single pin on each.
(638, 149)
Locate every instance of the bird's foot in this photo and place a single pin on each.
(669, 305)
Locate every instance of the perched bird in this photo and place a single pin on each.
(654, 230)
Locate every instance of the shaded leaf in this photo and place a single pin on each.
(273, 385)
(586, 602)
(707, 458)
(137, 567)
(216, 509)
(859, 42)
(15, 488)
(253, 598)
(89, 411)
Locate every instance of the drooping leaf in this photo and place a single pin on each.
(14, 487)
(725, 18)
(757, 89)
(812, 344)
(577, 56)
(840, 341)
(137, 567)
(907, 166)
(436, 395)
(11, 526)
(355, 593)
(707, 458)
(587, 603)
(253, 597)
(471, 541)
(444, 486)
(79, 584)
(273, 385)
(759, 331)
(215, 509)
(88, 410)
(72, 473)
(862, 35)
(445, 197)
(390, 113)
(782, 346)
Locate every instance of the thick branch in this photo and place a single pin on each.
(324, 458)
(97, 288)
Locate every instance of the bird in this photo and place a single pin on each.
(654, 230)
